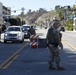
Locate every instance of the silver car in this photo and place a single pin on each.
(25, 29)
(14, 33)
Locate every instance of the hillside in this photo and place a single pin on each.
(39, 17)
(47, 16)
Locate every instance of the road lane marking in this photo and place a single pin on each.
(12, 56)
(10, 62)
(69, 44)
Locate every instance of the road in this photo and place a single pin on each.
(70, 37)
(20, 59)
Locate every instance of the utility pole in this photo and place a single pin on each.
(74, 19)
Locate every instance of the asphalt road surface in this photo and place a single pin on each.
(20, 59)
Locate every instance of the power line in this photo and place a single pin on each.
(22, 9)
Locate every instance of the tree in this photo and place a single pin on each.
(41, 10)
(29, 12)
(14, 21)
(57, 7)
(18, 21)
(22, 22)
(61, 16)
(69, 24)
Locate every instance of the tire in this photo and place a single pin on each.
(22, 41)
(5, 41)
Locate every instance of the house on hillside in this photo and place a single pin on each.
(5, 12)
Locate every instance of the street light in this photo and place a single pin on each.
(65, 13)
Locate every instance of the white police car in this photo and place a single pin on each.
(14, 33)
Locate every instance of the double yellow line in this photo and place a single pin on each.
(69, 44)
(11, 59)
(8, 61)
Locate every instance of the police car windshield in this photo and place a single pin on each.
(26, 27)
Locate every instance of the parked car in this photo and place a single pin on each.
(14, 33)
(25, 29)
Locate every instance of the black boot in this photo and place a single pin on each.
(52, 68)
(60, 68)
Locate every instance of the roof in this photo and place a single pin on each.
(26, 25)
(14, 26)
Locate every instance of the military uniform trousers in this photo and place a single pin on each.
(54, 56)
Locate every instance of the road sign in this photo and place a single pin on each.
(71, 16)
(75, 6)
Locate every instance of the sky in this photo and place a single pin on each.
(35, 4)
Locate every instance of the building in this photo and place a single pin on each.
(5, 12)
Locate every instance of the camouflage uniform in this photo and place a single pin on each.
(53, 43)
(0, 31)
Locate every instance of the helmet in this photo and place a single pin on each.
(56, 23)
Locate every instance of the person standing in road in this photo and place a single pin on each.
(32, 31)
(54, 42)
(0, 31)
